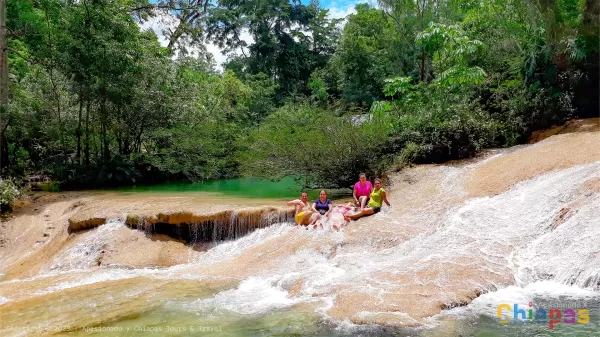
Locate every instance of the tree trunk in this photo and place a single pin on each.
(78, 159)
(138, 140)
(87, 129)
(56, 95)
(422, 64)
(549, 11)
(174, 38)
(104, 127)
(591, 17)
(188, 18)
(3, 86)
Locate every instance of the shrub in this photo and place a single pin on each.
(9, 192)
(204, 151)
(316, 147)
(426, 131)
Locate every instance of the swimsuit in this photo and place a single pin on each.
(363, 190)
(322, 207)
(376, 200)
(299, 217)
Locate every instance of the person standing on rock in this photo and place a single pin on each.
(302, 210)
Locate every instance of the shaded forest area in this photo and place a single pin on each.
(91, 99)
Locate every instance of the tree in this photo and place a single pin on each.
(452, 50)
(187, 18)
(433, 80)
(290, 39)
(4, 119)
(369, 52)
(411, 17)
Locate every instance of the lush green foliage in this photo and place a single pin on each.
(316, 147)
(9, 192)
(95, 100)
(290, 39)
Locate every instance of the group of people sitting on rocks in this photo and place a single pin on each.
(368, 200)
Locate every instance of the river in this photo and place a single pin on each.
(517, 226)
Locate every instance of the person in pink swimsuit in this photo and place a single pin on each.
(362, 190)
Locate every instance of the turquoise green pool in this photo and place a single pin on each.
(241, 187)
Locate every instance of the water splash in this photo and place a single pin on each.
(253, 296)
(87, 250)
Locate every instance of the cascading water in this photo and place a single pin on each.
(214, 228)
(87, 251)
(438, 263)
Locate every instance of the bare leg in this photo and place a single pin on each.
(362, 201)
(366, 211)
(315, 217)
(306, 218)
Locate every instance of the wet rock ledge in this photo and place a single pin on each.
(192, 227)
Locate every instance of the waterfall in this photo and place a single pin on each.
(222, 226)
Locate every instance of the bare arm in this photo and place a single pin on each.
(294, 202)
(330, 208)
(314, 207)
(385, 198)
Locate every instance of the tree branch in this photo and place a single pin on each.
(20, 55)
(393, 17)
(161, 7)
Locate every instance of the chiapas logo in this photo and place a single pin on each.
(552, 317)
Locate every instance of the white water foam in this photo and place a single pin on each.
(4, 300)
(253, 296)
(504, 232)
(513, 231)
(570, 254)
(91, 277)
(492, 232)
(230, 249)
(554, 295)
(86, 251)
